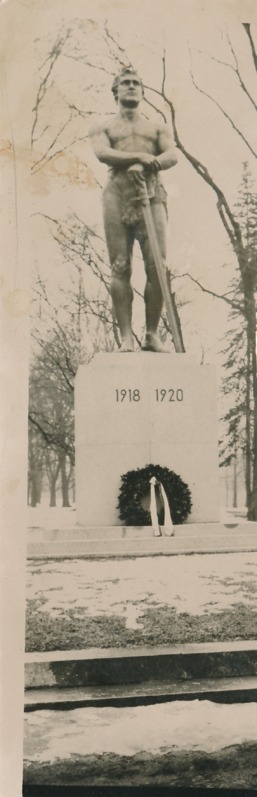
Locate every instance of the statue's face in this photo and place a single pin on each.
(129, 90)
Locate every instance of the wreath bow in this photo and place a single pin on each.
(168, 528)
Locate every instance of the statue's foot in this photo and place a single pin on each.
(151, 342)
(127, 344)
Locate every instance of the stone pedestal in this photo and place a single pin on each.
(135, 409)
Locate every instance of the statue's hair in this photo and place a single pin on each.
(124, 71)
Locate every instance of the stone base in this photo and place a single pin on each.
(117, 541)
(141, 408)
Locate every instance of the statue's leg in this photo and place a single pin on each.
(119, 243)
(153, 294)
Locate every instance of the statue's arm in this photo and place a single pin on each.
(112, 157)
(167, 154)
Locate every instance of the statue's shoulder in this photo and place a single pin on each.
(102, 125)
(152, 126)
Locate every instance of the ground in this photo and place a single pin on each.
(182, 744)
(161, 600)
(83, 603)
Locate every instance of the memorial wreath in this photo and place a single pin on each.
(136, 487)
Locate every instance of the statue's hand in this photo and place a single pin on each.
(149, 162)
(137, 168)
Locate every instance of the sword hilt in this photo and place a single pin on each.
(141, 185)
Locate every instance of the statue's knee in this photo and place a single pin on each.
(121, 268)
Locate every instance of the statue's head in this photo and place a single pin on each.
(127, 87)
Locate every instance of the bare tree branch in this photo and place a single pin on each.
(228, 219)
(156, 109)
(163, 72)
(224, 113)
(241, 81)
(247, 27)
(51, 439)
(52, 58)
(55, 360)
(81, 60)
(224, 297)
(119, 53)
(43, 157)
(40, 164)
(234, 68)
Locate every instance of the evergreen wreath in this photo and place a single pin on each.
(136, 486)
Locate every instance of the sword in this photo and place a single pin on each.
(153, 240)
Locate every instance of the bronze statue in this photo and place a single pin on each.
(124, 141)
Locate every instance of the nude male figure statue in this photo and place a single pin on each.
(121, 142)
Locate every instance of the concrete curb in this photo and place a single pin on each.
(73, 669)
(218, 690)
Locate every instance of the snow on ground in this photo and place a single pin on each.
(127, 587)
(196, 725)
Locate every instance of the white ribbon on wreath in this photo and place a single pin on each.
(168, 528)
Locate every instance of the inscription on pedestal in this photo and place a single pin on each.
(137, 409)
(160, 394)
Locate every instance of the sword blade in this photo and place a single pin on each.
(149, 223)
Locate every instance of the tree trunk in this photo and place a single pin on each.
(64, 482)
(253, 508)
(52, 470)
(235, 482)
(33, 494)
(248, 446)
(251, 330)
(52, 477)
(35, 486)
(226, 471)
(252, 514)
(53, 492)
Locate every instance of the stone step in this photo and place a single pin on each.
(218, 690)
(118, 666)
(144, 546)
(41, 534)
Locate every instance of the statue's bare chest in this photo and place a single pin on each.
(124, 134)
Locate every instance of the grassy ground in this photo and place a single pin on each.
(161, 625)
(233, 767)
